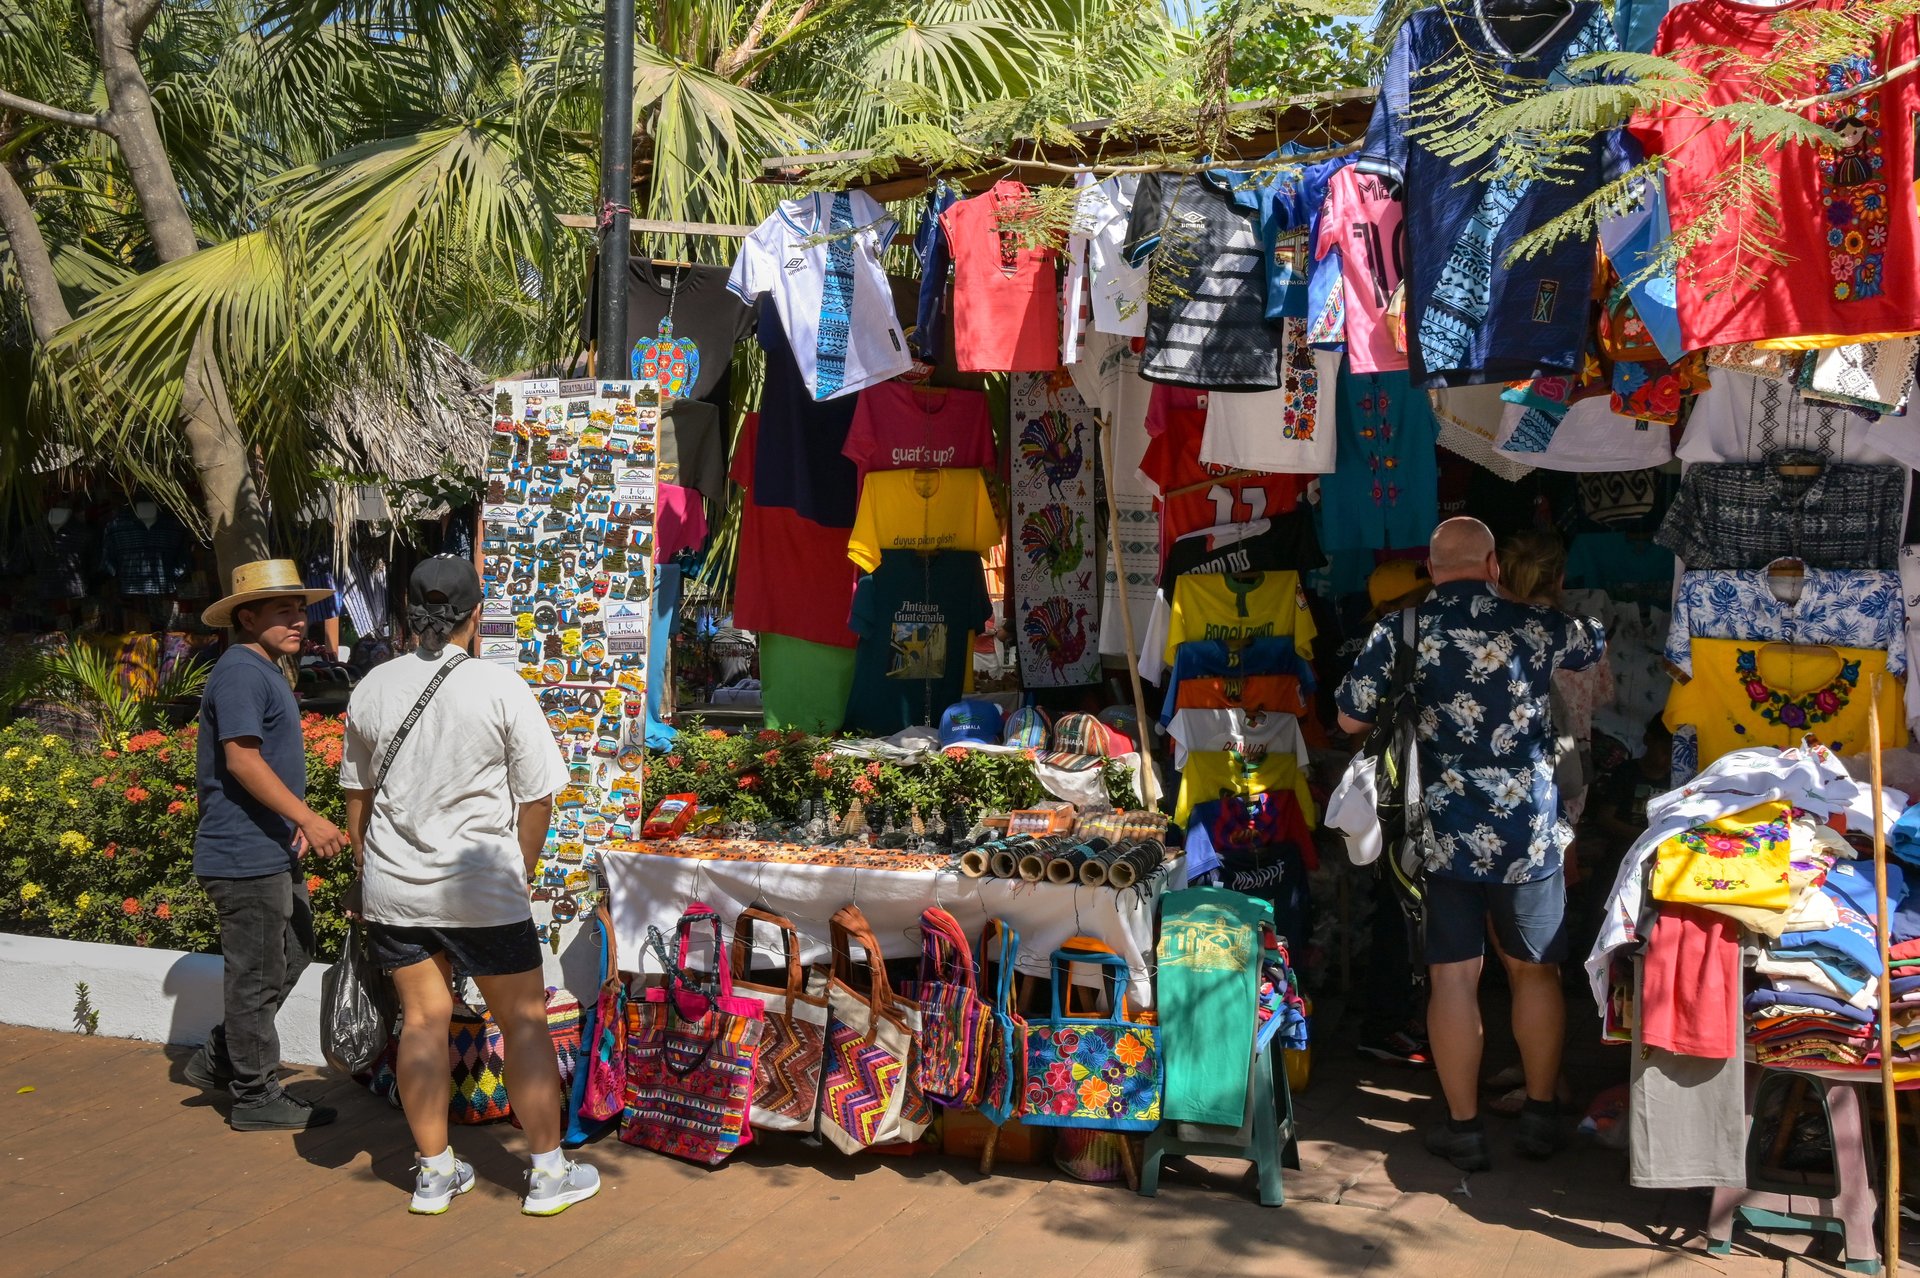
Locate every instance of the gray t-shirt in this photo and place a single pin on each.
(240, 837)
(442, 848)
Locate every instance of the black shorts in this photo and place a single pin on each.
(477, 951)
(1529, 918)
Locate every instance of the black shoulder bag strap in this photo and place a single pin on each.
(413, 717)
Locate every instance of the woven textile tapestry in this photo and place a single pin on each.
(1055, 439)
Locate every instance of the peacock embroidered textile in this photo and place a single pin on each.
(1056, 615)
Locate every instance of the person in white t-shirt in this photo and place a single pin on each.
(447, 825)
(820, 258)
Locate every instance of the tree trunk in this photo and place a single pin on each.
(229, 496)
(46, 308)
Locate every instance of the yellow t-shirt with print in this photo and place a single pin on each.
(1211, 773)
(1260, 605)
(1746, 694)
(924, 510)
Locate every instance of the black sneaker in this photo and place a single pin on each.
(1539, 1135)
(1465, 1150)
(202, 1072)
(283, 1113)
(1398, 1048)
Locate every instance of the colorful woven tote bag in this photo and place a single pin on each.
(1003, 1072)
(870, 1034)
(786, 1077)
(1092, 1071)
(606, 1065)
(477, 1056)
(954, 1023)
(691, 1050)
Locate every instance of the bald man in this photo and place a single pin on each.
(1482, 677)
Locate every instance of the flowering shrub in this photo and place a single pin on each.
(97, 845)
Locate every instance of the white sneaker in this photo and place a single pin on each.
(550, 1193)
(433, 1190)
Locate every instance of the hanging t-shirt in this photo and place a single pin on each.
(1176, 420)
(1846, 233)
(1199, 237)
(1282, 542)
(1217, 774)
(1290, 208)
(1209, 986)
(1253, 734)
(1740, 417)
(819, 258)
(792, 576)
(1856, 608)
(1472, 314)
(1363, 219)
(1746, 695)
(1219, 828)
(930, 251)
(1117, 287)
(799, 462)
(1005, 312)
(691, 448)
(901, 427)
(708, 321)
(1587, 436)
(923, 510)
(804, 685)
(916, 616)
(1266, 605)
(1386, 495)
(680, 520)
(1238, 664)
(1284, 431)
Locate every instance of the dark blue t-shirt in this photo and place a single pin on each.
(1474, 316)
(797, 459)
(240, 837)
(915, 615)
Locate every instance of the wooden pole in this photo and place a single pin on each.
(1148, 787)
(1890, 1204)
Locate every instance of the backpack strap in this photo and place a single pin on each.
(413, 717)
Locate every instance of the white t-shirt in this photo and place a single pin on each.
(820, 259)
(1590, 437)
(1119, 287)
(1254, 733)
(1289, 431)
(441, 847)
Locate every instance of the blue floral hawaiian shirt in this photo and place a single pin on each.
(1483, 678)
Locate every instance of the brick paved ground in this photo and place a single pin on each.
(113, 1166)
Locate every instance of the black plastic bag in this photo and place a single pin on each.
(356, 1008)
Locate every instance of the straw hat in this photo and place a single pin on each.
(261, 579)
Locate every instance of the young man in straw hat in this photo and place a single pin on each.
(254, 827)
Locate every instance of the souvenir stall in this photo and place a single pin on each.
(1227, 409)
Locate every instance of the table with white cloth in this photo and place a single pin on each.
(652, 889)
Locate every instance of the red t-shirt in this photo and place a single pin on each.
(1006, 312)
(793, 576)
(1176, 419)
(1845, 218)
(682, 520)
(902, 427)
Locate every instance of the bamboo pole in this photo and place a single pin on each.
(1148, 786)
(1890, 1204)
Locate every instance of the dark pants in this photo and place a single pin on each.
(266, 939)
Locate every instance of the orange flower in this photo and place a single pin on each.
(1130, 1050)
(98, 782)
(109, 754)
(862, 785)
(823, 766)
(749, 782)
(136, 795)
(164, 754)
(714, 734)
(163, 911)
(145, 741)
(766, 734)
(176, 808)
(873, 770)
(109, 850)
(770, 757)
(313, 883)
(130, 907)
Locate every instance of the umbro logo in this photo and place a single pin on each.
(796, 264)
(1193, 221)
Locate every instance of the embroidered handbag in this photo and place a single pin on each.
(1003, 1073)
(870, 1036)
(691, 1050)
(581, 1127)
(1090, 1071)
(953, 1021)
(786, 1077)
(606, 1066)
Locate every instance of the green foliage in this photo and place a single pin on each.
(1280, 48)
(87, 677)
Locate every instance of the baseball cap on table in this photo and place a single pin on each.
(970, 720)
(1396, 579)
(1082, 741)
(1029, 727)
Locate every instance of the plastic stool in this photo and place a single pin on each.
(1847, 1212)
(1270, 1144)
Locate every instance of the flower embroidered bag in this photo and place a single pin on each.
(953, 1021)
(691, 1051)
(1003, 1073)
(1089, 1070)
(606, 1088)
(786, 1078)
(870, 1040)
